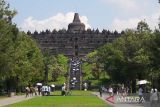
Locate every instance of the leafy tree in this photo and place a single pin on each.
(127, 58)
(55, 67)
(28, 60)
(19, 55)
(5, 12)
(93, 69)
(60, 67)
(154, 46)
(143, 27)
(21, 60)
(112, 60)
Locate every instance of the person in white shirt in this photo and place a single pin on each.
(44, 90)
(110, 90)
(154, 97)
(64, 90)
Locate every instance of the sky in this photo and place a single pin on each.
(102, 14)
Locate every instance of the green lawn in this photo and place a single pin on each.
(74, 93)
(83, 99)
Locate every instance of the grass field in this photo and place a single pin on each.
(77, 99)
(74, 93)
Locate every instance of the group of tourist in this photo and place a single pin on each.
(30, 90)
(37, 90)
(154, 96)
(45, 90)
(110, 90)
(123, 91)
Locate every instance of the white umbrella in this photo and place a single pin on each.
(142, 82)
(52, 85)
(40, 84)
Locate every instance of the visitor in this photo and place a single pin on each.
(123, 90)
(104, 89)
(140, 93)
(64, 89)
(85, 86)
(39, 90)
(32, 90)
(27, 91)
(36, 90)
(49, 90)
(100, 91)
(44, 90)
(154, 97)
(110, 90)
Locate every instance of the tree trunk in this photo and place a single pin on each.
(46, 74)
(134, 86)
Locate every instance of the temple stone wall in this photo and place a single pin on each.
(70, 43)
(76, 41)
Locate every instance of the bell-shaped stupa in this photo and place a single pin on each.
(76, 25)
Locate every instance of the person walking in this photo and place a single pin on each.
(140, 93)
(49, 90)
(39, 90)
(64, 89)
(110, 90)
(27, 91)
(100, 91)
(36, 90)
(154, 97)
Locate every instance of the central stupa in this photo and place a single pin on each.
(76, 25)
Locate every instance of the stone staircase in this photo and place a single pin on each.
(75, 74)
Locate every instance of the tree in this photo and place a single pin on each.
(55, 67)
(5, 12)
(60, 67)
(28, 58)
(19, 56)
(143, 27)
(154, 73)
(21, 60)
(93, 69)
(127, 58)
(112, 59)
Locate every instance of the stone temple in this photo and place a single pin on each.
(75, 43)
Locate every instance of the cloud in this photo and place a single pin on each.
(59, 21)
(121, 24)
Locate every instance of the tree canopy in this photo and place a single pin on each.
(20, 57)
(132, 56)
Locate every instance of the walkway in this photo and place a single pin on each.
(104, 96)
(14, 99)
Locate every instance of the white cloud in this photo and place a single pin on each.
(58, 21)
(121, 24)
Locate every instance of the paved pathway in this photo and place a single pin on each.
(11, 100)
(104, 96)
